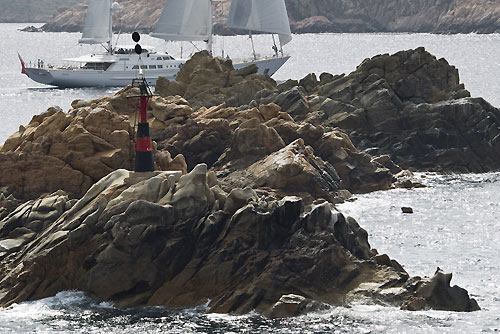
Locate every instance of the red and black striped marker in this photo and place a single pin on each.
(144, 161)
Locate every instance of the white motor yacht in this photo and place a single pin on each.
(181, 20)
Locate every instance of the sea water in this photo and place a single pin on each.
(455, 225)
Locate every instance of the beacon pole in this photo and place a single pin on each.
(143, 144)
(144, 161)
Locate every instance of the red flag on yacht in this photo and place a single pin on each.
(23, 70)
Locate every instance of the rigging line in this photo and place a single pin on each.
(63, 51)
(197, 49)
(117, 39)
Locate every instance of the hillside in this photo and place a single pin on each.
(32, 10)
(435, 16)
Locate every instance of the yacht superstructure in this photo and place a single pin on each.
(181, 20)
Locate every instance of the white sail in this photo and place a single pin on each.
(97, 28)
(261, 15)
(185, 20)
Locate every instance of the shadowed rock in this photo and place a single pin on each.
(163, 238)
(246, 220)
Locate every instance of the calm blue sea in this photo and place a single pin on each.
(456, 224)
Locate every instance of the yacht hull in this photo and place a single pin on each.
(75, 78)
(266, 66)
(91, 78)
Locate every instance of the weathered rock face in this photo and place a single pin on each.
(411, 107)
(68, 151)
(71, 151)
(134, 15)
(435, 16)
(407, 109)
(246, 218)
(264, 120)
(453, 16)
(7, 204)
(165, 239)
(206, 81)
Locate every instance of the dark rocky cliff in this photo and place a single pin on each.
(435, 16)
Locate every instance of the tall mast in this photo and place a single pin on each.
(211, 14)
(110, 42)
(253, 45)
(210, 40)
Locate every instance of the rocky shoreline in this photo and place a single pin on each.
(241, 211)
(422, 16)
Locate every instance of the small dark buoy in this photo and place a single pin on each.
(136, 37)
(138, 49)
(407, 209)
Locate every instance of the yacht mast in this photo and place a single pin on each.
(210, 40)
(253, 45)
(110, 42)
(211, 17)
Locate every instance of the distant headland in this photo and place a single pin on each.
(306, 16)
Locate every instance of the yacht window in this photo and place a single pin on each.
(124, 59)
(144, 67)
(166, 58)
(160, 66)
(152, 67)
(135, 67)
(97, 66)
(159, 58)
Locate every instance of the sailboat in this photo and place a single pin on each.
(181, 20)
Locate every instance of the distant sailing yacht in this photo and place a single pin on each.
(191, 20)
(181, 20)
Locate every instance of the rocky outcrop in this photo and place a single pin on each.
(68, 151)
(71, 151)
(244, 214)
(165, 239)
(407, 109)
(412, 107)
(134, 15)
(244, 117)
(258, 229)
(452, 16)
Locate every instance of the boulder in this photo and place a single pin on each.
(292, 170)
(441, 296)
(254, 138)
(288, 306)
(207, 82)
